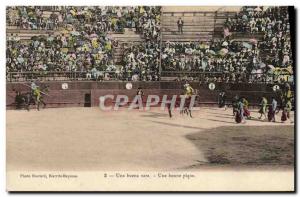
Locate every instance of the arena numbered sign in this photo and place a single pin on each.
(276, 88)
(64, 86)
(211, 86)
(128, 86)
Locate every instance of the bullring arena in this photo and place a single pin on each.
(88, 139)
(93, 139)
(71, 56)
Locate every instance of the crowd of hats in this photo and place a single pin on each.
(81, 42)
(239, 61)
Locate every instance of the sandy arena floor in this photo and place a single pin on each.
(90, 139)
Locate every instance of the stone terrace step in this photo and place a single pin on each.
(244, 36)
(195, 22)
(188, 14)
(168, 78)
(188, 29)
(48, 13)
(128, 37)
(10, 29)
(190, 23)
(180, 39)
(187, 35)
(191, 26)
(219, 9)
(175, 32)
(188, 19)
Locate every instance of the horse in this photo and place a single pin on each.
(186, 106)
(24, 99)
(28, 98)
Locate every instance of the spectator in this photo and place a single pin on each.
(180, 25)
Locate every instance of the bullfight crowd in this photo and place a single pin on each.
(81, 42)
(238, 61)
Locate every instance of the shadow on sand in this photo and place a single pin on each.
(177, 125)
(247, 146)
(156, 115)
(214, 120)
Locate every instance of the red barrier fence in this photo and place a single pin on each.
(87, 93)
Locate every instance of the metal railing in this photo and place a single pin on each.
(220, 76)
(71, 76)
(116, 76)
(58, 76)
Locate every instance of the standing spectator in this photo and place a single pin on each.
(180, 25)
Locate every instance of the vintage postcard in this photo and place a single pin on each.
(150, 98)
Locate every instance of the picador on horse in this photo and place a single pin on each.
(34, 97)
(188, 92)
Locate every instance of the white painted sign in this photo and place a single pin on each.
(275, 88)
(128, 86)
(211, 86)
(64, 86)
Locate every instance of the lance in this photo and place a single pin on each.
(30, 88)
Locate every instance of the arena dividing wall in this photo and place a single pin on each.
(87, 93)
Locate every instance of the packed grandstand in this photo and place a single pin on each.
(142, 43)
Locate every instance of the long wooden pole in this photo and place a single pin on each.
(30, 88)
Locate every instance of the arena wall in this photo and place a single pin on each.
(88, 93)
